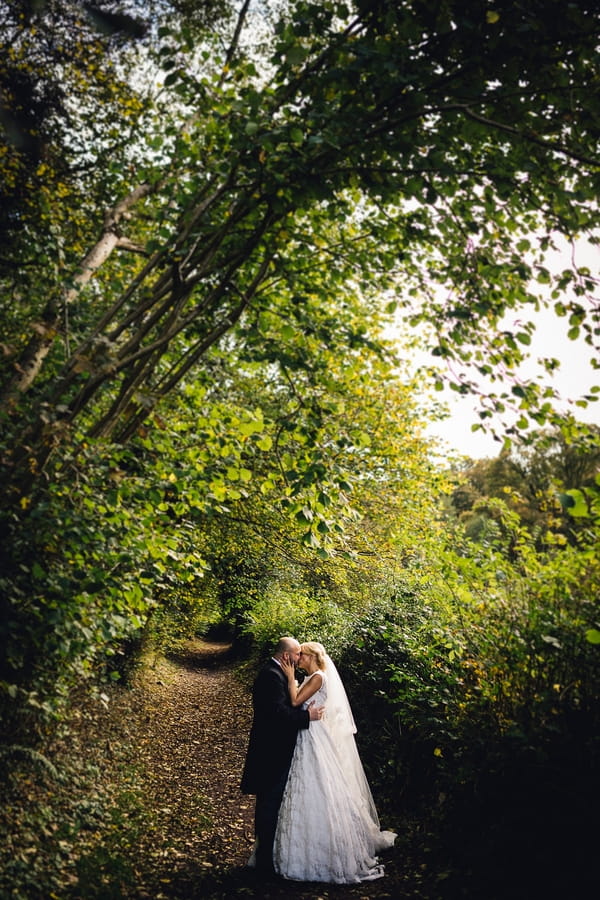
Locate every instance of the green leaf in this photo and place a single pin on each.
(575, 502)
(248, 428)
(296, 55)
(296, 136)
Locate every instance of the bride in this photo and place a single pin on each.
(328, 829)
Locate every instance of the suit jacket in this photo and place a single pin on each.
(274, 730)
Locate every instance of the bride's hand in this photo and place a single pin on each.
(288, 669)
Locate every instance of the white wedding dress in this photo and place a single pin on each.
(328, 829)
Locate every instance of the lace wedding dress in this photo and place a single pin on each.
(328, 829)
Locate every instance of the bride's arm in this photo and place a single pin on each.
(290, 671)
(309, 687)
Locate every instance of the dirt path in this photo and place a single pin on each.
(197, 720)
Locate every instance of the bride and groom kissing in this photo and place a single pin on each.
(315, 819)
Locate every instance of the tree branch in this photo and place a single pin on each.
(529, 136)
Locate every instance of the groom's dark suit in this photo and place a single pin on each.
(270, 750)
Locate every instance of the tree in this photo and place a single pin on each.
(531, 480)
(381, 150)
(67, 110)
(356, 105)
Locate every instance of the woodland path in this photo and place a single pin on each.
(196, 720)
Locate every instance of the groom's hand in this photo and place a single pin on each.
(315, 712)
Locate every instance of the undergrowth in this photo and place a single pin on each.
(71, 813)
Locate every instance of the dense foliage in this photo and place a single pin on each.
(210, 220)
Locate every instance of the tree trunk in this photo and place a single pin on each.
(28, 367)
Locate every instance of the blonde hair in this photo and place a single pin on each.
(317, 650)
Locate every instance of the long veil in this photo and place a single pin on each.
(339, 713)
(340, 722)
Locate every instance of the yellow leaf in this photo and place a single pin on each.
(492, 17)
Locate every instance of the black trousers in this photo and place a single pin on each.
(265, 821)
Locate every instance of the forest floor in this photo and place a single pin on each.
(194, 734)
(137, 798)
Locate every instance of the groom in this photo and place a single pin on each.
(271, 747)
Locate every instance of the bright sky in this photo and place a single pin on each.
(574, 378)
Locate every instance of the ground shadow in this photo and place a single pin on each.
(199, 654)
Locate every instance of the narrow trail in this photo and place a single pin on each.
(196, 722)
(197, 719)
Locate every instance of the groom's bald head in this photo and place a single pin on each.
(286, 645)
